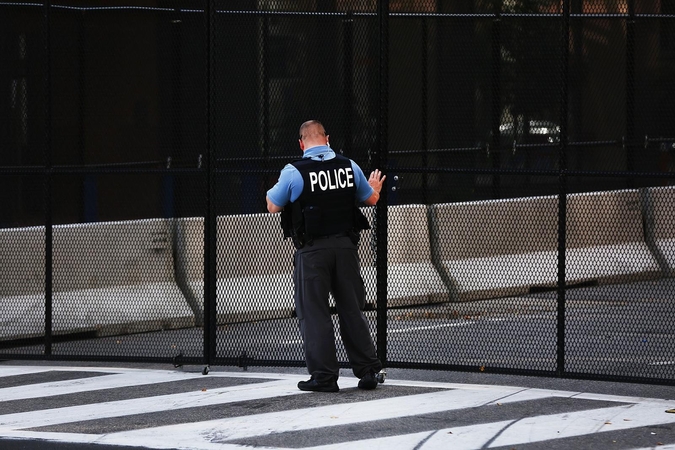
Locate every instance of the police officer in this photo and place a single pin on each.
(317, 196)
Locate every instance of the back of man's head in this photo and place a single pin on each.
(312, 131)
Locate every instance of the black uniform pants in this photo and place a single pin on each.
(331, 265)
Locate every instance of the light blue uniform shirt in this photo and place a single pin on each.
(290, 184)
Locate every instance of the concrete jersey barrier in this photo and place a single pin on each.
(108, 278)
(508, 247)
(606, 239)
(495, 248)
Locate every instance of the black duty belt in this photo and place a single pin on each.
(329, 236)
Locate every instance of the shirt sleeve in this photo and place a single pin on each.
(288, 188)
(363, 189)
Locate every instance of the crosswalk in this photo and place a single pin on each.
(168, 409)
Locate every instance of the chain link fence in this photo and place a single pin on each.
(529, 146)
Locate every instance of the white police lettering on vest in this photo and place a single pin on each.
(332, 179)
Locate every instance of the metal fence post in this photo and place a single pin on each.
(49, 280)
(381, 162)
(210, 239)
(562, 194)
(425, 110)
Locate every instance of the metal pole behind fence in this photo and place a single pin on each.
(630, 92)
(496, 103)
(264, 71)
(348, 80)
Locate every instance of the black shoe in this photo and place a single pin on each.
(318, 386)
(369, 381)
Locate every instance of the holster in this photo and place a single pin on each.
(360, 223)
(360, 220)
(292, 224)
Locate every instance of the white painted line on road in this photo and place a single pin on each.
(14, 371)
(429, 327)
(444, 325)
(518, 432)
(146, 405)
(20, 370)
(91, 384)
(662, 363)
(660, 447)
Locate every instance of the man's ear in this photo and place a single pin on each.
(302, 145)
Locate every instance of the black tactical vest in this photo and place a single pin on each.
(328, 198)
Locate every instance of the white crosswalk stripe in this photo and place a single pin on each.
(12, 371)
(617, 413)
(147, 405)
(89, 384)
(529, 430)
